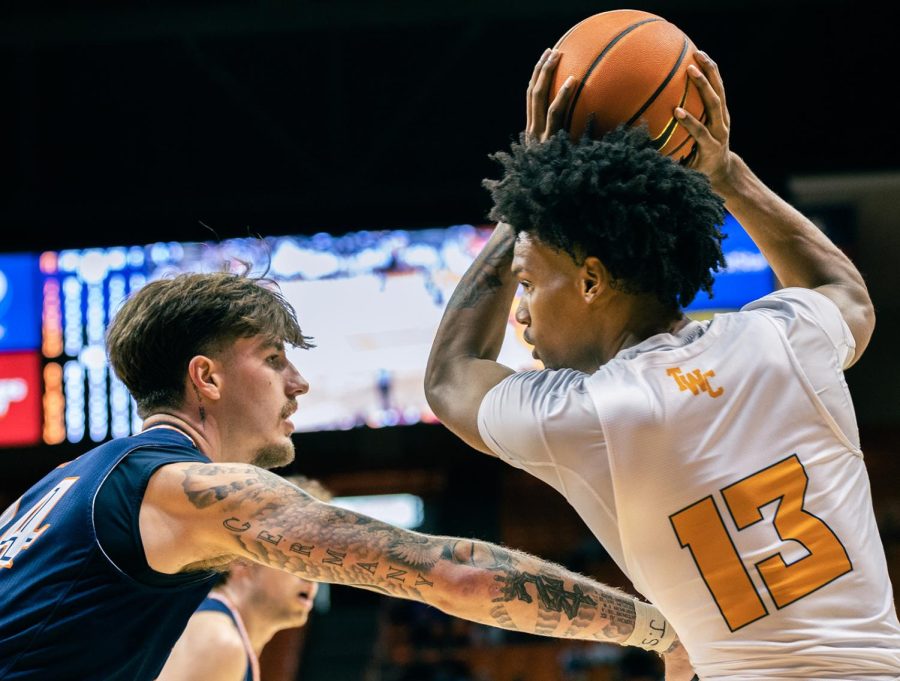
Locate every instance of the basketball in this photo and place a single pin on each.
(631, 68)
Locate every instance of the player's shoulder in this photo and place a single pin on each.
(221, 647)
(526, 399)
(541, 387)
(553, 379)
(801, 307)
(795, 302)
(209, 648)
(217, 632)
(810, 320)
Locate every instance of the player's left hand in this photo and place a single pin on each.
(713, 155)
(543, 117)
(678, 664)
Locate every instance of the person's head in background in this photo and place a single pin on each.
(227, 633)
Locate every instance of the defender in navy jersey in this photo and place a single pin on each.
(103, 561)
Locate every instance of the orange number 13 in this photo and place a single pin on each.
(700, 528)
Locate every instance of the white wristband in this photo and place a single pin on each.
(651, 630)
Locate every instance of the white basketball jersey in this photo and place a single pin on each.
(721, 469)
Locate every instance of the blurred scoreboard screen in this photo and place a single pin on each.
(371, 300)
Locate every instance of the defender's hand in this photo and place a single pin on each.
(543, 117)
(713, 157)
(678, 665)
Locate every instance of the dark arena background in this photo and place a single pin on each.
(151, 136)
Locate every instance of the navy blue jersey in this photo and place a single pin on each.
(67, 611)
(215, 603)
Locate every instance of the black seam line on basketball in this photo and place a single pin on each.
(668, 79)
(625, 31)
(670, 127)
(687, 139)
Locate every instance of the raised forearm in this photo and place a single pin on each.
(474, 320)
(799, 253)
(475, 317)
(462, 365)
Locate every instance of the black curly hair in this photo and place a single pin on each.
(652, 222)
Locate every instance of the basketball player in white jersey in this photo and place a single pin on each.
(718, 462)
(225, 637)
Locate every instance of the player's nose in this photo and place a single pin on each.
(522, 314)
(296, 384)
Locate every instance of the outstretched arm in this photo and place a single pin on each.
(215, 512)
(799, 253)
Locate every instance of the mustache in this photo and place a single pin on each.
(289, 409)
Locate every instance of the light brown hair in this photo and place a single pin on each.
(166, 323)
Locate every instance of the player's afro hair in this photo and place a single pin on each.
(652, 222)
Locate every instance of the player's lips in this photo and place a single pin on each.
(286, 413)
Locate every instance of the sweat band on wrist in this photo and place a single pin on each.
(651, 630)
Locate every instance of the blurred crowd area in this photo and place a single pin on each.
(418, 643)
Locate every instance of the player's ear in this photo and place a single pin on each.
(202, 374)
(594, 278)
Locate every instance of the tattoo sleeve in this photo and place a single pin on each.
(488, 274)
(258, 515)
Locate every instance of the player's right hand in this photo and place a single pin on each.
(678, 665)
(713, 156)
(544, 117)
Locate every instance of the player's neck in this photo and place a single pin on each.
(639, 318)
(185, 425)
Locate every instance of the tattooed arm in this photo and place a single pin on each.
(462, 367)
(196, 515)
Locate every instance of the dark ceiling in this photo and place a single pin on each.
(139, 123)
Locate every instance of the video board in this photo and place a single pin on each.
(372, 301)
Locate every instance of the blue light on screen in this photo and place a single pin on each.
(20, 312)
(746, 278)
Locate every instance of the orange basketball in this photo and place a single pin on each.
(631, 68)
